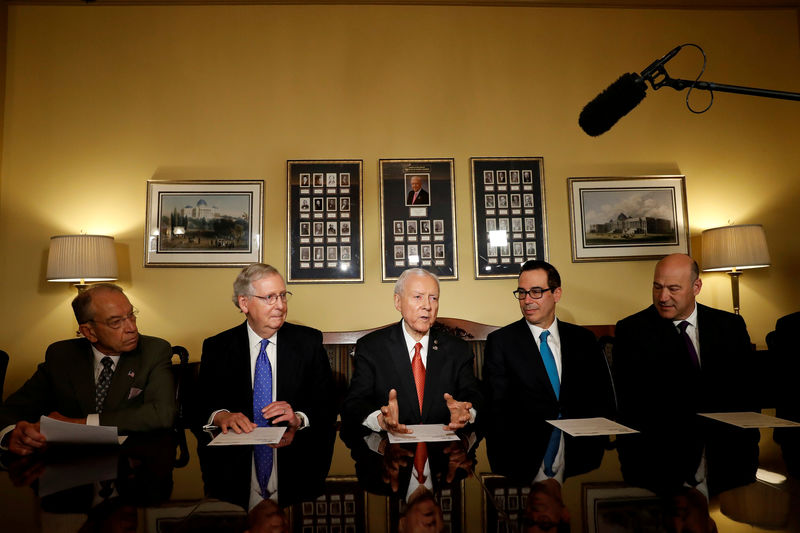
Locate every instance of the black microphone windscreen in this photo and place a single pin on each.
(612, 104)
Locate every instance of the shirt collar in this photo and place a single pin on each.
(254, 338)
(691, 319)
(410, 342)
(553, 329)
(98, 356)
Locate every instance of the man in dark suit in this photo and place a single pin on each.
(408, 373)
(677, 358)
(301, 379)
(111, 377)
(417, 195)
(541, 368)
(518, 385)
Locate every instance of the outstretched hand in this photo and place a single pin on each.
(389, 419)
(459, 412)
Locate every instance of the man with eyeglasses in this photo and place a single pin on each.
(112, 376)
(540, 367)
(266, 351)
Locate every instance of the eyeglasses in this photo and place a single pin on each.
(117, 321)
(272, 299)
(534, 292)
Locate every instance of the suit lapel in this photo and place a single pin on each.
(285, 363)
(533, 370)
(407, 393)
(81, 375)
(433, 387)
(124, 376)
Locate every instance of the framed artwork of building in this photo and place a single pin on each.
(324, 221)
(621, 219)
(508, 214)
(210, 223)
(418, 218)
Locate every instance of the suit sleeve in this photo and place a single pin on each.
(495, 383)
(468, 388)
(360, 400)
(31, 400)
(157, 409)
(624, 372)
(318, 403)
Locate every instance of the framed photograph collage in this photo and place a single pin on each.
(418, 220)
(324, 221)
(508, 208)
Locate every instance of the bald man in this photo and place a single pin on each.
(677, 357)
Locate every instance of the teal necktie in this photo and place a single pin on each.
(549, 362)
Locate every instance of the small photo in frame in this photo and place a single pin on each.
(344, 179)
(399, 227)
(344, 228)
(411, 227)
(319, 229)
(418, 187)
(425, 227)
(399, 251)
(344, 204)
(318, 180)
(331, 180)
(305, 180)
(501, 177)
(513, 177)
(438, 227)
(305, 229)
(628, 218)
(488, 177)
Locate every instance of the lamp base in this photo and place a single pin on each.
(735, 289)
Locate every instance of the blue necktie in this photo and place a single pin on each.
(262, 396)
(549, 362)
(550, 453)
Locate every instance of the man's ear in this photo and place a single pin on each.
(397, 302)
(87, 330)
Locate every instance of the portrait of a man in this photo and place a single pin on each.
(417, 186)
(305, 180)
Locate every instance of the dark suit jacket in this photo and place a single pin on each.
(654, 376)
(382, 363)
(422, 198)
(64, 382)
(517, 385)
(304, 374)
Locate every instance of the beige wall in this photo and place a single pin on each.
(100, 99)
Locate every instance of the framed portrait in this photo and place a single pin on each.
(631, 218)
(418, 220)
(508, 214)
(605, 505)
(329, 207)
(208, 223)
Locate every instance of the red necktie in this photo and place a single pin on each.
(414, 199)
(419, 373)
(420, 458)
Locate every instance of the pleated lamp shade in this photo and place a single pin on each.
(735, 248)
(79, 258)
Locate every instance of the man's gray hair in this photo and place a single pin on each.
(400, 284)
(243, 286)
(82, 303)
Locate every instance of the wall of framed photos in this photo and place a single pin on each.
(101, 99)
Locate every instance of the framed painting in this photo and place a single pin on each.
(324, 222)
(206, 223)
(622, 219)
(418, 218)
(508, 214)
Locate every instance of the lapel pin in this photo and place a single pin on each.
(131, 374)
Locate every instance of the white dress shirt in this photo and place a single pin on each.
(553, 341)
(691, 330)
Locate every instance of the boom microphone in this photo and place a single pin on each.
(608, 107)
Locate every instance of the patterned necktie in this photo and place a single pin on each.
(262, 396)
(549, 362)
(689, 344)
(419, 373)
(103, 383)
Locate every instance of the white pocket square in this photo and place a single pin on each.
(133, 393)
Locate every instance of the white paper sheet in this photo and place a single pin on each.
(268, 435)
(58, 432)
(751, 420)
(423, 433)
(585, 427)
